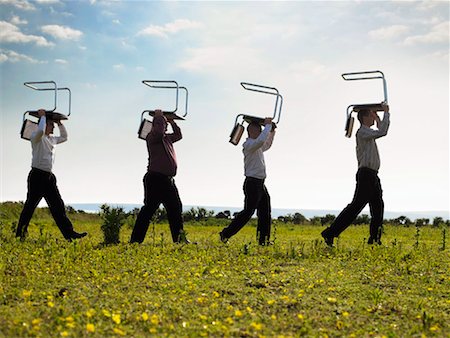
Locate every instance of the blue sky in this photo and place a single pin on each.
(102, 50)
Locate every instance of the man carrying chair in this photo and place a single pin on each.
(256, 195)
(41, 180)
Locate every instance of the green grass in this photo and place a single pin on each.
(297, 287)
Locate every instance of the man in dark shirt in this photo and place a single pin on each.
(159, 183)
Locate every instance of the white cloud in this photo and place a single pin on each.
(90, 85)
(307, 67)
(224, 61)
(12, 56)
(389, 32)
(62, 32)
(117, 22)
(119, 67)
(169, 28)
(439, 33)
(15, 20)
(48, 2)
(427, 4)
(11, 34)
(61, 61)
(20, 4)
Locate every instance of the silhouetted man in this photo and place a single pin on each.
(159, 183)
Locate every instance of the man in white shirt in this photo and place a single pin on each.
(368, 186)
(256, 194)
(42, 182)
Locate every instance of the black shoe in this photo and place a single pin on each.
(372, 241)
(328, 240)
(223, 239)
(77, 235)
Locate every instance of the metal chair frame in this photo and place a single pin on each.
(250, 118)
(356, 76)
(48, 86)
(164, 84)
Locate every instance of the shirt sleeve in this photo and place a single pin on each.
(37, 135)
(176, 135)
(269, 141)
(260, 140)
(63, 134)
(367, 133)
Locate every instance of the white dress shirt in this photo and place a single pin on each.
(366, 148)
(43, 146)
(253, 149)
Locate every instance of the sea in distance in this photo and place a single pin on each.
(276, 212)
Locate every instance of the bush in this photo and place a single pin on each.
(113, 219)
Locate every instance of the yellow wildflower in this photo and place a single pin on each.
(64, 334)
(154, 319)
(238, 313)
(116, 318)
(256, 326)
(26, 293)
(118, 331)
(36, 321)
(331, 300)
(434, 328)
(90, 327)
(144, 316)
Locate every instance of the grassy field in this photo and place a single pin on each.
(296, 287)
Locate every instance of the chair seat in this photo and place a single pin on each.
(250, 119)
(168, 115)
(52, 115)
(370, 106)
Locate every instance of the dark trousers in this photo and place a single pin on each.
(368, 190)
(42, 184)
(256, 198)
(159, 189)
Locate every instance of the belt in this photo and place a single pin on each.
(41, 171)
(372, 171)
(155, 173)
(254, 179)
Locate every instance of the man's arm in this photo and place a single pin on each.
(37, 135)
(269, 141)
(261, 139)
(176, 135)
(62, 133)
(382, 125)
